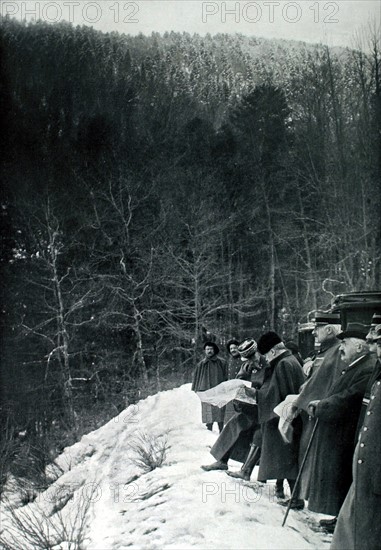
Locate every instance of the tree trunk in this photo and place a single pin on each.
(310, 272)
(272, 267)
(62, 335)
(139, 346)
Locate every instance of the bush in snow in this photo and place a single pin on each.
(150, 451)
(35, 526)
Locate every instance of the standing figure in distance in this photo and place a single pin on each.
(210, 372)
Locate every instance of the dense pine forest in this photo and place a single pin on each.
(161, 189)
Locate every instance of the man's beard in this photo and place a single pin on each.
(343, 358)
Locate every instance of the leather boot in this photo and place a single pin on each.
(328, 524)
(219, 465)
(279, 491)
(248, 467)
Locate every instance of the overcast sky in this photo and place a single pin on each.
(331, 22)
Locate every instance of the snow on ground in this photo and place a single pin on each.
(175, 506)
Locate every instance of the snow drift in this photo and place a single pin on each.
(105, 501)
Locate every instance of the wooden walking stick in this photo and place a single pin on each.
(300, 473)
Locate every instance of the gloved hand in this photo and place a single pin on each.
(251, 392)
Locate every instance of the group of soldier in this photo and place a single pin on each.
(328, 446)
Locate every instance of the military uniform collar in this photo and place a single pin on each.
(358, 360)
(276, 353)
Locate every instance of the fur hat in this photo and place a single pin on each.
(212, 345)
(247, 348)
(267, 341)
(292, 346)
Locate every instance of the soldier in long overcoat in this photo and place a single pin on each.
(358, 525)
(338, 413)
(283, 376)
(234, 440)
(326, 368)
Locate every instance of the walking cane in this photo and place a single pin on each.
(299, 473)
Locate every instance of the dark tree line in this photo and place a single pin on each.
(161, 189)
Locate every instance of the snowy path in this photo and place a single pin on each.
(178, 505)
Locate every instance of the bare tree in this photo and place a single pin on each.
(64, 297)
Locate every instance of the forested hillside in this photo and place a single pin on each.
(158, 188)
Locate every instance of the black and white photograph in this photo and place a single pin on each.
(190, 211)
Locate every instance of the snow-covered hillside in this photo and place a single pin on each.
(175, 506)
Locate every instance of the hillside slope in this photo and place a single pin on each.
(175, 506)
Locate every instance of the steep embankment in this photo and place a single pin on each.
(175, 506)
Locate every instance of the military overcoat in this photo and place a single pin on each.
(338, 414)
(358, 525)
(283, 376)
